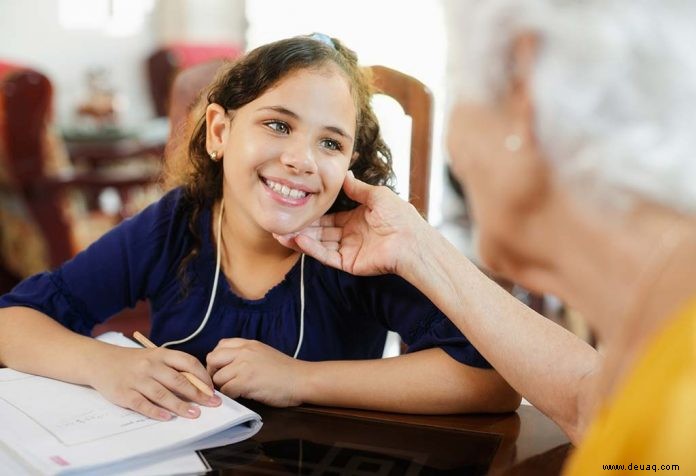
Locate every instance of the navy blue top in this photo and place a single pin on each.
(346, 316)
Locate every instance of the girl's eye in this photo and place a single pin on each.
(331, 144)
(278, 126)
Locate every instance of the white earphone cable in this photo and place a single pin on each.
(299, 339)
(215, 285)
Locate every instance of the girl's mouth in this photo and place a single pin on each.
(287, 194)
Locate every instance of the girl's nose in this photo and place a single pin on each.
(299, 160)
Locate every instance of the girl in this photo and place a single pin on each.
(282, 127)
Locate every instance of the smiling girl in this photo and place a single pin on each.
(282, 127)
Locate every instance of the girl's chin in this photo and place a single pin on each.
(286, 228)
(282, 224)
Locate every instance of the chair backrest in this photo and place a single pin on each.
(417, 102)
(412, 95)
(27, 153)
(164, 64)
(25, 109)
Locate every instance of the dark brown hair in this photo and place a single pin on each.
(241, 82)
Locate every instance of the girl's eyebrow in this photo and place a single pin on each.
(288, 112)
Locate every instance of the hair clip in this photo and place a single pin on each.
(326, 39)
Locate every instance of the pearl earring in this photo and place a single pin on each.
(214, 156)
(513, 143)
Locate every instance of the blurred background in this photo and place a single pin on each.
(81, 42)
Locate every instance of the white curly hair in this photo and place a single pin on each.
(613, 85)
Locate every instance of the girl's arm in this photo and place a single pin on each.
(428, 381)
(145, 380)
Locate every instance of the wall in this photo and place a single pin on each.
(31, 33)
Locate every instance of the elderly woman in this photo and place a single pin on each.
(573, 134)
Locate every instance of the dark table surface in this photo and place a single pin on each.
(328, 441)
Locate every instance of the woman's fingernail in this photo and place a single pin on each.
(193, 411)
(165, 415)
(214, 400)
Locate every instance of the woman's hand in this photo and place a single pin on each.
(375, 238)
(149, 381)
(250, 369)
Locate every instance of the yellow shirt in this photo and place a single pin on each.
(651, 420)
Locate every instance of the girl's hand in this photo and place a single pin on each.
(250, 369)
(149, 381)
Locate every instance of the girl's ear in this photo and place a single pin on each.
(354, 158)
(217, 124)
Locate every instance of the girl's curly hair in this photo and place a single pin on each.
(240, 82)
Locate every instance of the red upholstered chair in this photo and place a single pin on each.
(44, 219)
(164, 64)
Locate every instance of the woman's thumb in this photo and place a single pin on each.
(357, 189)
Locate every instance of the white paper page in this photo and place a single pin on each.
(61, 427)
(117, 338)
(186, 463)
(182, 461)
(10, 463)
(77, 414)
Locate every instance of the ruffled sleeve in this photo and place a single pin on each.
(421, 325)
(124, 266)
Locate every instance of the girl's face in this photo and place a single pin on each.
(286, 153)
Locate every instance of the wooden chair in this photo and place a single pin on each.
(43, 219)
(417, 102)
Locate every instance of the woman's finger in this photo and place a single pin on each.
(319, 251)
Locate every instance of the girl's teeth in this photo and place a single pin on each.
(285, 191)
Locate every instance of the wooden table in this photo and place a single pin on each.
(327, 441)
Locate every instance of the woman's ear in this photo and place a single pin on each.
(217, 124)
(353, 158)
(527, 165)
(523, 54)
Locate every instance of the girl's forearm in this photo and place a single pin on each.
(548, 365)
(34, 343)
(426, 382)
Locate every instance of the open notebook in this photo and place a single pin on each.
(53, 427)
